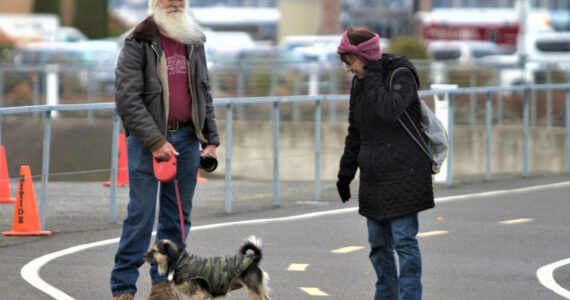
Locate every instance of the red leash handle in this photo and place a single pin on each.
(180, 214)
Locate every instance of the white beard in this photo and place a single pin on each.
(179, 26)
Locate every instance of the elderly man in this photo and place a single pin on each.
(163, 98)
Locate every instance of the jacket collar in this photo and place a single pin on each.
(147, 30)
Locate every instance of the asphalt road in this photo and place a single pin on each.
(475, 247)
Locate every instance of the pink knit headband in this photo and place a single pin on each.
(367, 50)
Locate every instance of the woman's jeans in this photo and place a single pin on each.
(141, 210)
(400, 235)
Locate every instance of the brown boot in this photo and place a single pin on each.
(124, 297)
(163, 291)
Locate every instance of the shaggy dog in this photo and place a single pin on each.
(203, 278)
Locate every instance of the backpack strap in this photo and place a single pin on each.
(423, 147)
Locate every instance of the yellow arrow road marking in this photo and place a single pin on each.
(297, 267)
(314, 291)
(517, 221)
(347, 249)
(430, 233)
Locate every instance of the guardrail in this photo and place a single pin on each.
(275, 102)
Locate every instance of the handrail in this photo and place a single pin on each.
(275, 100)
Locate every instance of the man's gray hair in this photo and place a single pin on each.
(152, 4)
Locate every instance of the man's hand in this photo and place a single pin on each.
(211, 150)
(164, 152)
(343, 187)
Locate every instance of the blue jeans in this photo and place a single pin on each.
(400, 235)
(141, 210)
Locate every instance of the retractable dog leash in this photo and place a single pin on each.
(165, 171)
(180, 211)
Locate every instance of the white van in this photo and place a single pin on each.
(542, 51)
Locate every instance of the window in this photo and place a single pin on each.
(553, 46)
(446, 54)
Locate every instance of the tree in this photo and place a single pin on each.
(91, 18)
(47, 7)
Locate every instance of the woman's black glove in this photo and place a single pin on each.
(343, 187)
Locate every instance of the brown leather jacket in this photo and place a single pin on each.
(142, 88)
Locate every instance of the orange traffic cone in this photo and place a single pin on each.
(123, 175)
(5, 194)
(201, 179)
(26, 220)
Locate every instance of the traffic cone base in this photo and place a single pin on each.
(26, 220)
(24, 233)
(5, 194)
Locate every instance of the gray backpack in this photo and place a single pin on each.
(437, 146)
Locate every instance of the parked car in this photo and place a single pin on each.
(89, 61)
(224, 48)
(463, 52)
(543, 52)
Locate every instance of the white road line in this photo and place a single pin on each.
(298, 267)
(535, 188)
(546, 277)
(347, 249)
(431, 233)
(30, 272)
(313, 291)
(516, 221)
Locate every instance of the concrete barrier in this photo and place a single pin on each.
(81, 147)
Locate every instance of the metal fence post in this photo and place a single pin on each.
(449, 181)
(488, 135)
(229, 158)
(1, 87)
(318, 126)
(45, 168)
(36, 84)
(90, 90)
(276, 153)
(114, 165)
(499, 99)
(526, 131)
(568, 130)
(472, 99)
(549, 96)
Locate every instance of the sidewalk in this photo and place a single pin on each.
(85, 206)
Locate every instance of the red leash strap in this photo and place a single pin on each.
(180, 214)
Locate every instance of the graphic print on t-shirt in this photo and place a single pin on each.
(176, 64)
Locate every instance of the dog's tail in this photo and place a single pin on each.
(254, 244)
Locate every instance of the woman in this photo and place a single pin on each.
(395, 175)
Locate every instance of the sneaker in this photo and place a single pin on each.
(163, 291)
(124, 297)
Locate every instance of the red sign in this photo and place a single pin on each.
(502, 35)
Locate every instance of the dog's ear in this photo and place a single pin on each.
(171, 249)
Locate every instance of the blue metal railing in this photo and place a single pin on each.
(229, 103)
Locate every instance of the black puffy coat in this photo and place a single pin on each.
(395, 175)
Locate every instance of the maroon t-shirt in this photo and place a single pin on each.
(179, 106)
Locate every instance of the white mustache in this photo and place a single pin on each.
(173, 9)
